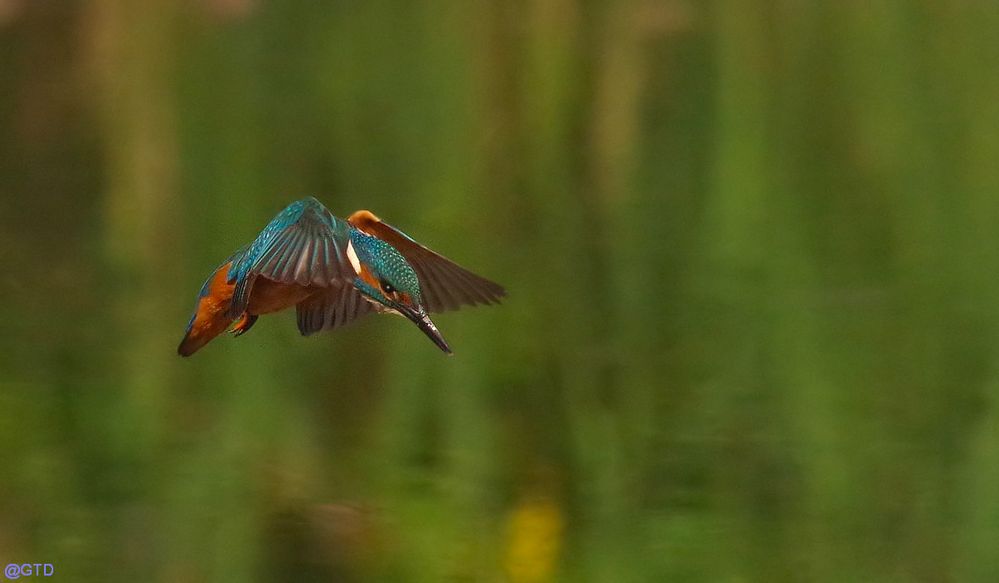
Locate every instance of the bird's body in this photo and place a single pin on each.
(332, 271)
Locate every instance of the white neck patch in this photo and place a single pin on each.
(352, 257)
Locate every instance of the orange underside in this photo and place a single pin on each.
(211, 319)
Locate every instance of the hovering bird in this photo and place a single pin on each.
(332, 271)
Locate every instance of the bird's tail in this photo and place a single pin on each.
(210, 315)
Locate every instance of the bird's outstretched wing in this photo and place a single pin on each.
(445, 285)
(336, 306)
(304, 245)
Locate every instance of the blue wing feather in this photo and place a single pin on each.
(303, 245)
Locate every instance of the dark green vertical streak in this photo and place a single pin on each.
(974, 82)
(625, 382)
(567, 286)
(737, 241)
(899, 141)
(525, 148)
(216, 487)
(50, 307)
(455, 432)
(370, 80)
(808, 446)
(660, 306)
(458, 212)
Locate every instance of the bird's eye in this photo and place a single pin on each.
(387, 287)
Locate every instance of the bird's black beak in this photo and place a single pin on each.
(420, 317)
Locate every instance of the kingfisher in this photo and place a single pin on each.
(333, 271)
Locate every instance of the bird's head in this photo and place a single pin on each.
(385, 276)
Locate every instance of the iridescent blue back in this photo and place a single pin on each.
(303, 245)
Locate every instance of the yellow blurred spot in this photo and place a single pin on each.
(534, 540)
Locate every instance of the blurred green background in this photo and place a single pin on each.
(752, 251)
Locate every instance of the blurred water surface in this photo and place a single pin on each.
(751, 251)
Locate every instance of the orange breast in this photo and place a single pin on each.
(210, 316)
(269, 296)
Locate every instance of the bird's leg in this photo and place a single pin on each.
(244, 324)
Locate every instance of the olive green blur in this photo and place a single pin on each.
(751, 250)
